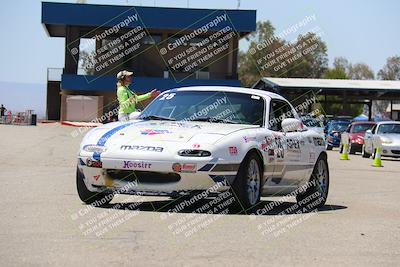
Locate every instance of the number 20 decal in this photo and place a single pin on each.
(167, 96)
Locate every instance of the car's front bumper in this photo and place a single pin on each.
(356, 147)
(391, 151)
(333, 141)
(156, 177)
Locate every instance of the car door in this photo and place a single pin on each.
(289, 167)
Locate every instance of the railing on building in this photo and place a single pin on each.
(20, 118)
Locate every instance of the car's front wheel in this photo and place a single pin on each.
(247, 185)
(352, 150)
(364, 154)
(317, 189)
(89, 197)
(328, 147)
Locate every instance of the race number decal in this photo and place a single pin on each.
(280, 152)
(167, 96)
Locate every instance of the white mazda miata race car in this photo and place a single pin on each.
(210, 139)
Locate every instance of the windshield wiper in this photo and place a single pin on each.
(210, 119)
(160, 118)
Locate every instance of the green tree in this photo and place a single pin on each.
(360, 71)
(391, 70)
(305, 57)
(343, 69)
(87, 62)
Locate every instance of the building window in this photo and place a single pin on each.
(197, 42)
(203, 74)
(175, 38)
(152, 39)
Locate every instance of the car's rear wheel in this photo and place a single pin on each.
(316, 193)
(89, 197)
(364, 154)
(247, 185)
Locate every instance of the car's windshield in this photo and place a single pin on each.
(338, 127)
(211, 106)
(311, 122)
(389, 128)
(361, 128)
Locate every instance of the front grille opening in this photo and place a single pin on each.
(145, 177)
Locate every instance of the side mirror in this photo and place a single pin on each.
(291, 125)
(368, 132)
(134, 115)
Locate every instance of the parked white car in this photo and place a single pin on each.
(196, 138)
(389, 133)
(314, 124)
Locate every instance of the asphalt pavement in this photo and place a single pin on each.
(43, 222)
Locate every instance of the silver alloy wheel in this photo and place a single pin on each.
(253, 182)
(322, 177)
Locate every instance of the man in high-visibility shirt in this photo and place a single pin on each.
(126, 98)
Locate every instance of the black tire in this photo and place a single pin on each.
(352, 150)
(316, 194)
(364, 154)
(88, 197)
(329, 147)
(373, 153)
(240, 186)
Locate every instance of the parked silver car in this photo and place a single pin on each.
(389, 133)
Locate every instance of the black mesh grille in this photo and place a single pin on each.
(144, 176)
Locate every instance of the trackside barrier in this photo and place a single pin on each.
(345, 146)
(378, 151)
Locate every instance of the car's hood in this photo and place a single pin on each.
(319, 130)
(161, 131)
(356, 135)
(395, 138)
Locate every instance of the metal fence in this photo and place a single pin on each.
(20, 118)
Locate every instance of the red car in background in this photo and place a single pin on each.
(356, 131)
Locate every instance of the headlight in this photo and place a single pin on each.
(386, 141)
(194, 153)
(94, 148)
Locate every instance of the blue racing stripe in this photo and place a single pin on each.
(102, 141)
(206, 168)
(209, 165)
(226, 179)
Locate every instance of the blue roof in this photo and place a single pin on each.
(55, 16)
(140, 84)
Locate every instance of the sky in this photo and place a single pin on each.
(364, 31)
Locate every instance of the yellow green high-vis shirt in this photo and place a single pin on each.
(125, 105)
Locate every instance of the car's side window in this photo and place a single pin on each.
(279, 110)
